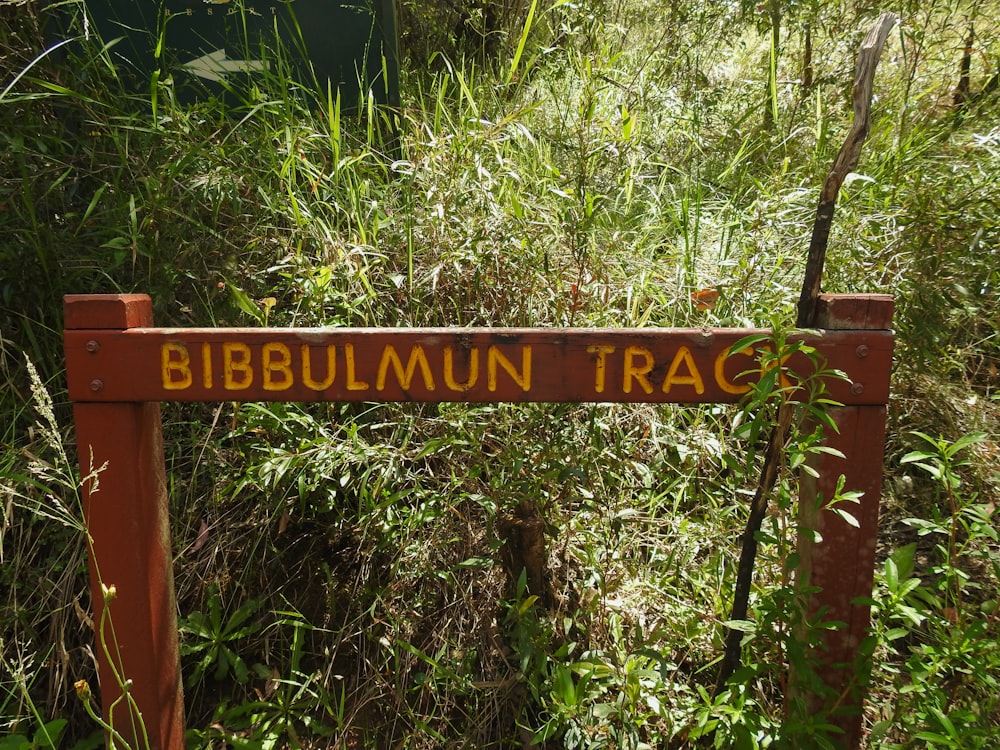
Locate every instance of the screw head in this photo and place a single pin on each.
(96, 385)
(857, 388)
(861, 351)
(92, 346)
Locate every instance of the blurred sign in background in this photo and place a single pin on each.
(209, 46)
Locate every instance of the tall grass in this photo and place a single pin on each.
(601, 167)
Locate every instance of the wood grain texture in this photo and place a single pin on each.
(439, 365)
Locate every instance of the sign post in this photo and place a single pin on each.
(207, 45)
(120, 447)
(119, 368)
(842, 564)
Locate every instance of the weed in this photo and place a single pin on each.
(946, 655)
(212, 637)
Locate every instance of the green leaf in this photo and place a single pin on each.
(945, 722)
(743, 626)
(908, 586)
(911, 614)
(522, 41)
(240, 616)
(935, 738)
(828, 449)
(891, 575)
(902, 559)
(15, 742)
(748, 342)
(628, 123)
(933, 469)
(245, 303)
(527, 604)
(49, 733)
(564, 686)
(604, 710)
(241, 671)
(848, 517)
(965, 441)
(914, 456)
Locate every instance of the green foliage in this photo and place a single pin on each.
(940, 617)
(46, 736)
(341, 569)
(212, 637)
(286, 709)
(481, 28)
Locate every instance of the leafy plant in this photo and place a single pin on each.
(291, 708)
(46, 736)
(948, 650)
(213, 637)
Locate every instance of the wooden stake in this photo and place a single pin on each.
(844, 164)
(846, 161)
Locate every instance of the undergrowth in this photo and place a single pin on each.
(341, 570)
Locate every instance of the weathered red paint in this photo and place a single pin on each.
(841, 564)
(114, 312)
(119, 367)
(433, 365)
(125, 505)
(855, 312)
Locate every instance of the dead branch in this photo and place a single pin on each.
(846, 161)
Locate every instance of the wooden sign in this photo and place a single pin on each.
(119, 367)
(208, 46)
(472, 365)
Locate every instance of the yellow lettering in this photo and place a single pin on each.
(417, 357)
(522, 378)
(206, 365)
(683, 356)
(720, 372)
(280, 364)
(175, 371)
(331, 368)
(352, 383)
(639, 372)
(600, 367)
(449, 370)
(236, 362)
